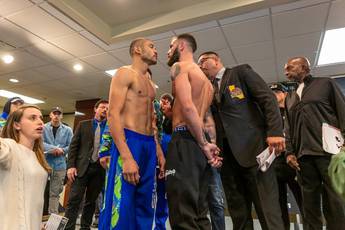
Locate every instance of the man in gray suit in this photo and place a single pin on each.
(248, 121)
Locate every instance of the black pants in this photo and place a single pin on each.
(245, 186)
(286, 176)
(187, 182)
(315, 184)
(92, 182)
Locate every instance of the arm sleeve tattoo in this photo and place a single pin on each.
(175, 71)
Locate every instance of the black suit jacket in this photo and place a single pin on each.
(247, 113)
(81, 148)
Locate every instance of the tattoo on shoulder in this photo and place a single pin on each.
(175, 71)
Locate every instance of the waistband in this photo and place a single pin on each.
(180, 128)
(135, 135)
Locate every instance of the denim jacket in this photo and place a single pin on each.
(62, 140)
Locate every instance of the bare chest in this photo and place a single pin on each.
(143, 88)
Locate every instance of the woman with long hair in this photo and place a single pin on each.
(23, 170)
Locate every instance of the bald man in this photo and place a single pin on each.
(315, 102)
(129, 191)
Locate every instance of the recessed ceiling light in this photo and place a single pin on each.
(333, 47)
(13, 80)
(111, 72)
(7, 59)
(29, 100)
(78, 67)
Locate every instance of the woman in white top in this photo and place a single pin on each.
(23, 170)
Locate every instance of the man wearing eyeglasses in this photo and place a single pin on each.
(247, 122)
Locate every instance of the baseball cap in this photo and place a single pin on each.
(56, 109)
(278, 87)
(12, 100)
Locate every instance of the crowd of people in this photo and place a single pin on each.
(179, 157)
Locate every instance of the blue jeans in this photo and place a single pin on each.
(216, 201)
(161, 214)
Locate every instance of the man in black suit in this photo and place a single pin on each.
(247, 121)
(84, 169)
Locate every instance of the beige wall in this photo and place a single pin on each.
(69, 119)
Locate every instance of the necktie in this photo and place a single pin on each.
(216, 89)
(96, 143)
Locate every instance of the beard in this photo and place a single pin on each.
(149, 61)
(174, 58)
(295, 78)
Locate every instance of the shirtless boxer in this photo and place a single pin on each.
(190, 155)
(130, 181)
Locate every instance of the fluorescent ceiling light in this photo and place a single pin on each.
(7, 59)
(111, 72)
(78, 67)
(13, 80)
(333, 47)
(29, 100)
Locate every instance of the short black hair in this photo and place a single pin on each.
(190, 40)
(101, 101)
(208, 53)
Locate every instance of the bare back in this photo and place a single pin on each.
(137, 110)
(201, 93)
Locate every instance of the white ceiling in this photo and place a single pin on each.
(46, 44)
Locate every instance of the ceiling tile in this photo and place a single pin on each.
(298, 46)
(226, 57)
(77, 45)
(331, 70)
(244, 17)
(123, 55)
(26, 77)
(61, 16)
(195, 28)
(48, 52)
(300, 21)
(16, 36)
(336, 17)
(119, 45)
(40, 23)
(8, 7)
(26, 91)
(266, 69)
(252, 52)
(68, 65)
(247, 32)
(296, 5)
(161, 36)
(53, 71)
(204, 37)
(103, 61)
(22, 60)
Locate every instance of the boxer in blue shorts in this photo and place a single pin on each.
(128, 202)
